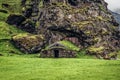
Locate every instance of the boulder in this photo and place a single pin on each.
(28, 43)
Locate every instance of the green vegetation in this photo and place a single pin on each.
(3, 16)
(118, 54)
(58, 69)
(101, 8)
(70, 45)
(82, 55)
(14, 65)
(7, 31)
(41, 4)
(21, 35)
(7, 48)
(14, 5)
(94, 49)
(82, 23)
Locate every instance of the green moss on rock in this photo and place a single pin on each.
(96, 50)
(69, 45)
(28, 43)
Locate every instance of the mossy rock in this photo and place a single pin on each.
(95, 50)
(113, 55)
(28, 43)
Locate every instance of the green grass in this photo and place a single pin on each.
(14, 68)
(14, 5)
(3, 16)
(6, 33)
(118, 54)
(69, 45)
(7, 49)
(82, 55)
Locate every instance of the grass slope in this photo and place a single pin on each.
(6, 33)
(8, 49)
(58, 69)
(14, 6)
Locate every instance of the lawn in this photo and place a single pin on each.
(23, 68)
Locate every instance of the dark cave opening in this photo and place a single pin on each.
(73, 2)
(56, 53)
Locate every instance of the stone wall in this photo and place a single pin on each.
(62, 53)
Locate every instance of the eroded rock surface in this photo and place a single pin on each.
(87, 23)
(29, 43)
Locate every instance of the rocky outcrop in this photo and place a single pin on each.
(29, 43)
(88, 21)
(21, 22)
(117, 17)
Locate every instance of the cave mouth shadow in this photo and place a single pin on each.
(73, 2)
(56, 53)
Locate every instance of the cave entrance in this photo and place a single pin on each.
(56, 53)
(73, 2)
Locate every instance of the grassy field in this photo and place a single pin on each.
(14, 65)
(16, 68)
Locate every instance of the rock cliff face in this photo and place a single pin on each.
(86, 23)
(117, 17)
